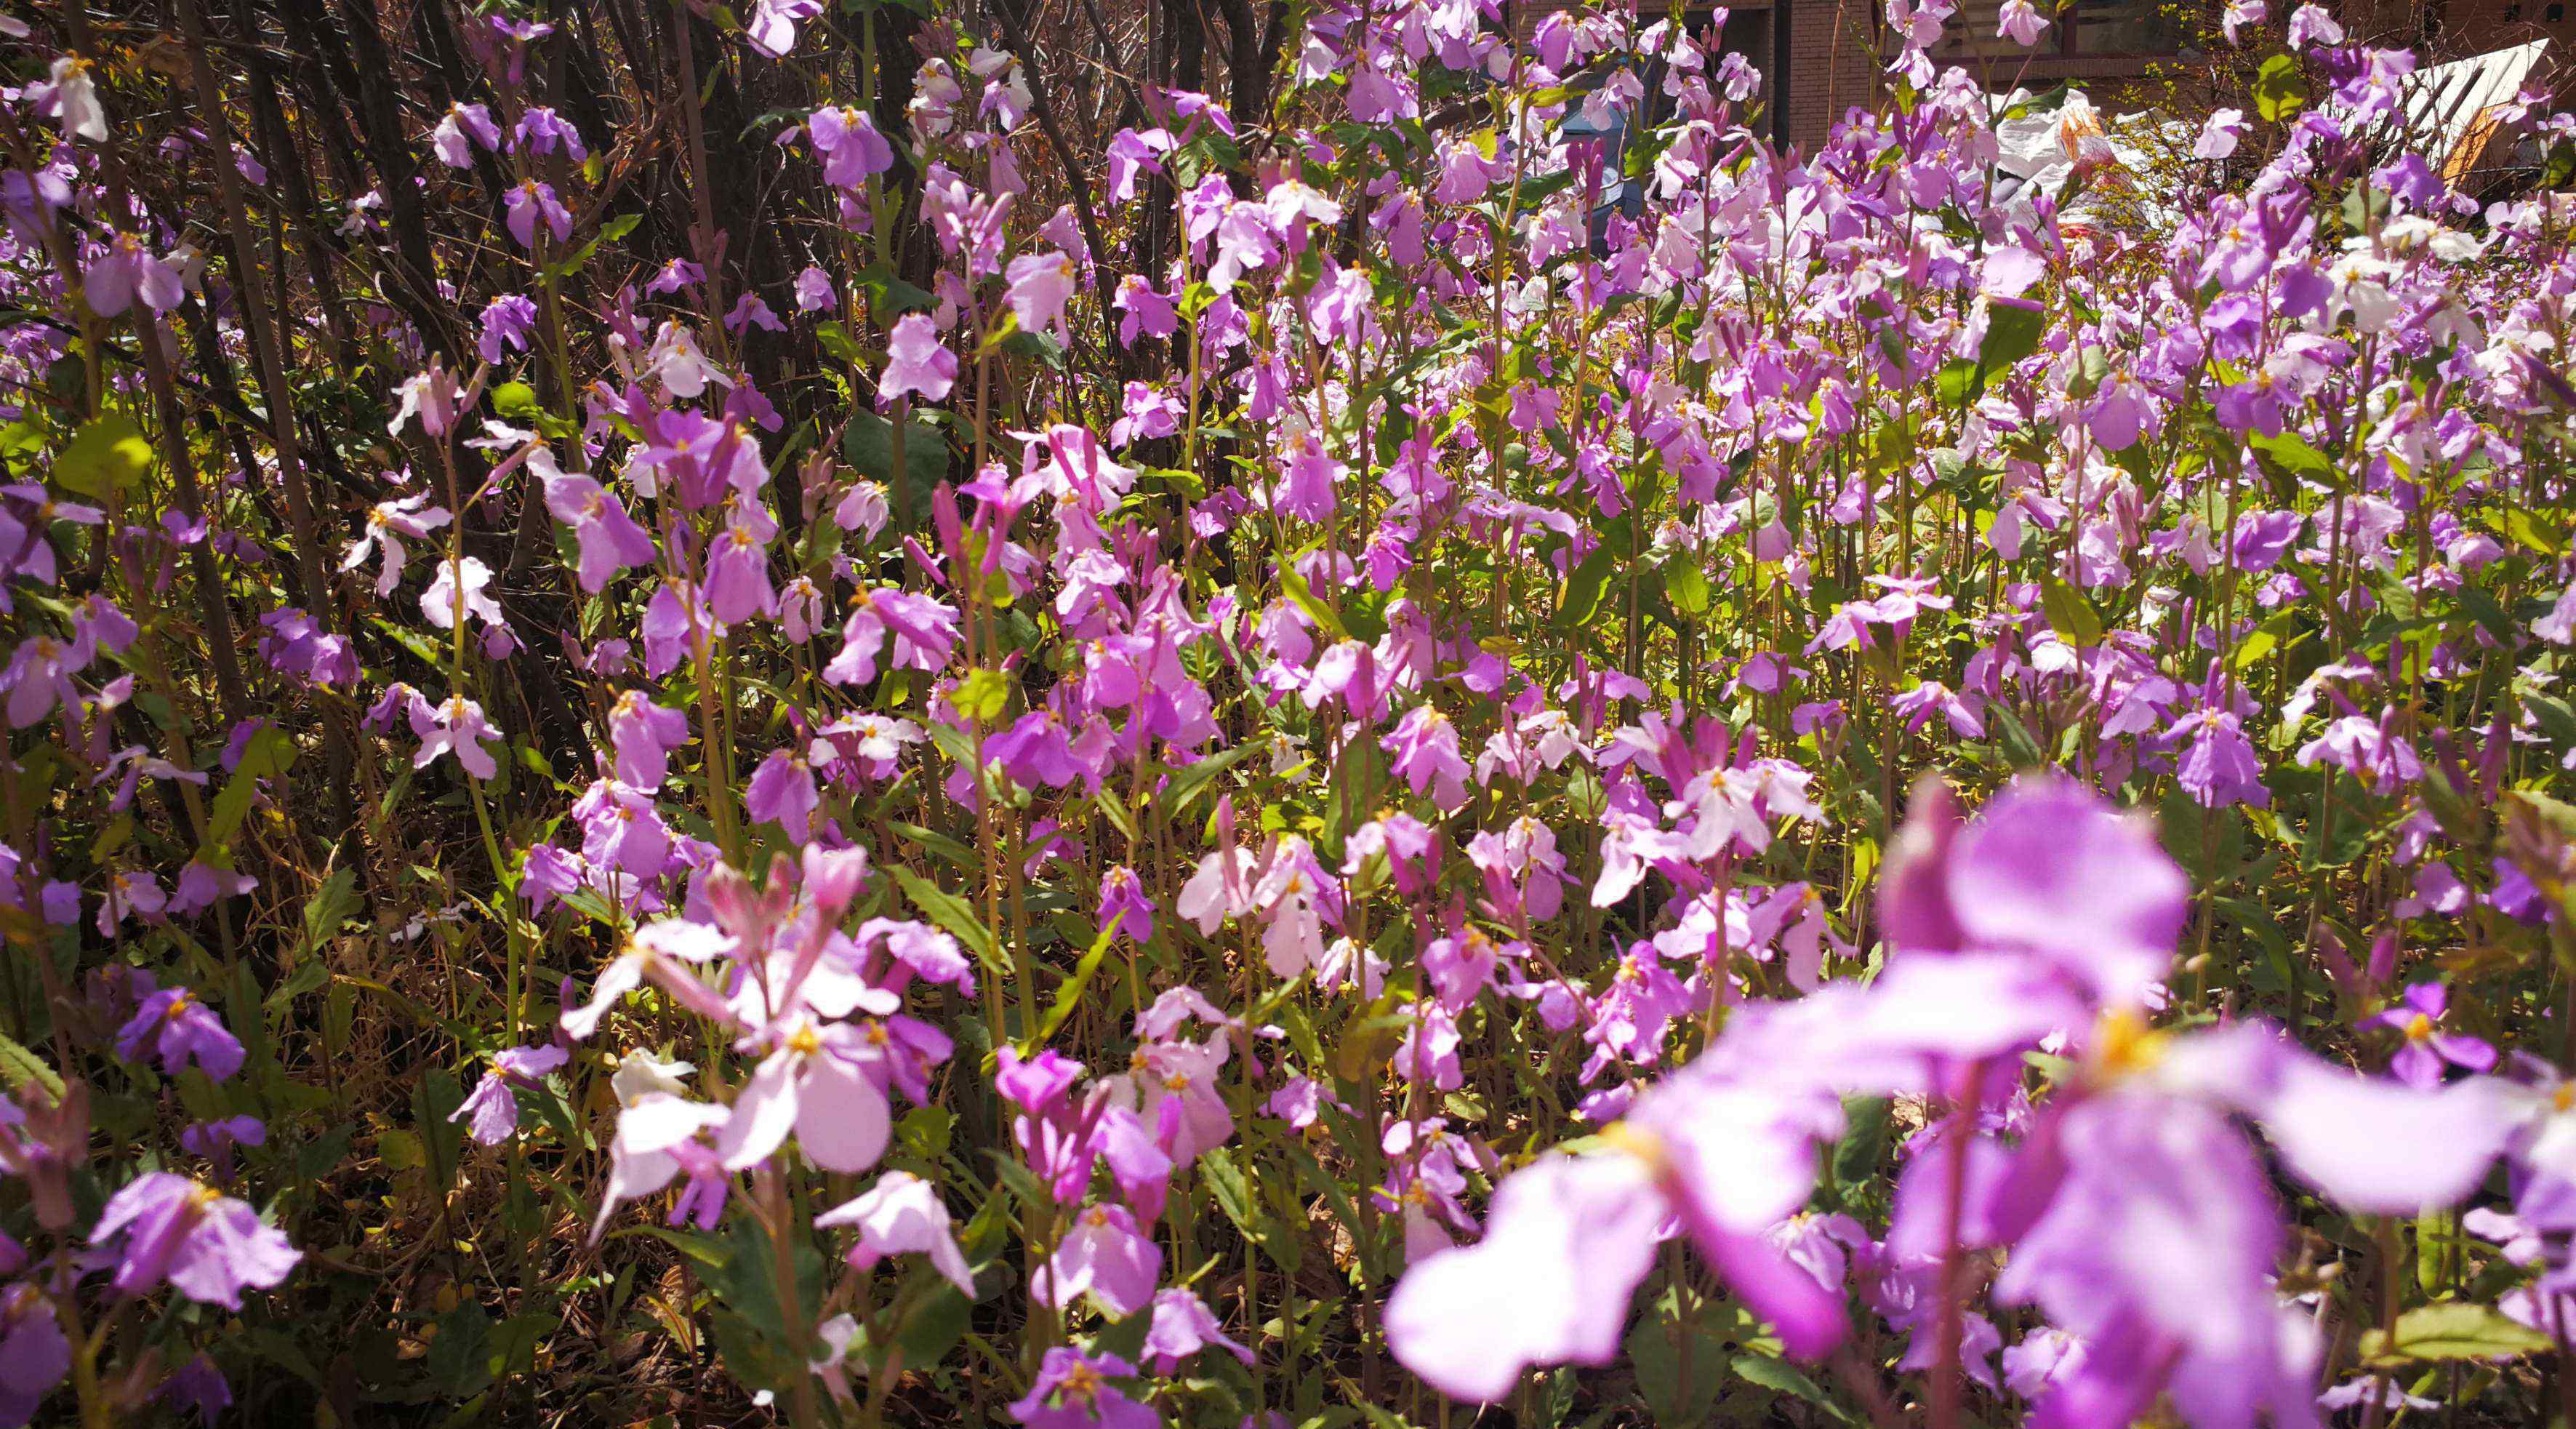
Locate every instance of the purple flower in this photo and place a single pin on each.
(1425, 748)
(851, 147)
(902, 1213)
(608, 538)
(215, 1140)
(2417, 1018)
(459, 130)
(1105, 1256)
(1072, 1391)
(782, 792)
(197, 1387)
(643, 735)
(2006, 881)
(2220, 767)
(917, 362)
(458, 727)
(1182, 1327)
(811, 1084)
(541, 131)
(34, 1354)
(529, 202)
(509, 321)
(738, 575)
(659, 1137)
(129, 271)
(1124, 908)
(494, 1104)
(924, 632)
(206, 1245)
(181, 1031)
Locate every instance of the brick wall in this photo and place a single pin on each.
(1833, 63)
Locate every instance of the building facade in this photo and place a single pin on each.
(1828, 55)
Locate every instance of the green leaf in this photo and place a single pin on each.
(1239, 1197)
(516, 402)
(107, 454)
(2280, 91)
(746, 1278)
(868, 446)
(268, 754)
(2015, 737)
(2453, 1332)
(2557, 722)
(889, 295)
(1679, 1362)
(1304, 598)
(279, 1348)
(21, 1067)
(336, 903)
(2290, 455)
(2013, 331)
(933, 1327)
(1186, 781)
(1864, 1144)
(982, 695)
(1686, 583)
(460, 1358)
(1585, 587)
(837, 341)
(2262, 640)
(1957, 383)
(2070, 614)
(1781, 1377)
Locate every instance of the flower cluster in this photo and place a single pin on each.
(874, 714)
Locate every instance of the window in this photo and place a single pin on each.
(2099, 29)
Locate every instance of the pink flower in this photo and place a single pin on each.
(1040, 285)
(738, 575)
(1182, 1327)
(852, 149)
(461, 128)
(1143, 309)
(608, 539)
(205, 1244)
(2417, 1018)
(526, 204)
(659, 1137)
(182, 1031)
(2020, 22)
(128, 271)
(1072, 1391)
(494, 1105)
(924, 632)
(388, 522)
(782, 792)
(644, 734)
(1124, 907)
(1220, 889)
(772, 26)
(902, 1213)
(1565, 1247)
(1425, 748)
(809, 1084)
(456, 726)
(460, 586)
(1105, 1257)
(622, 830)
